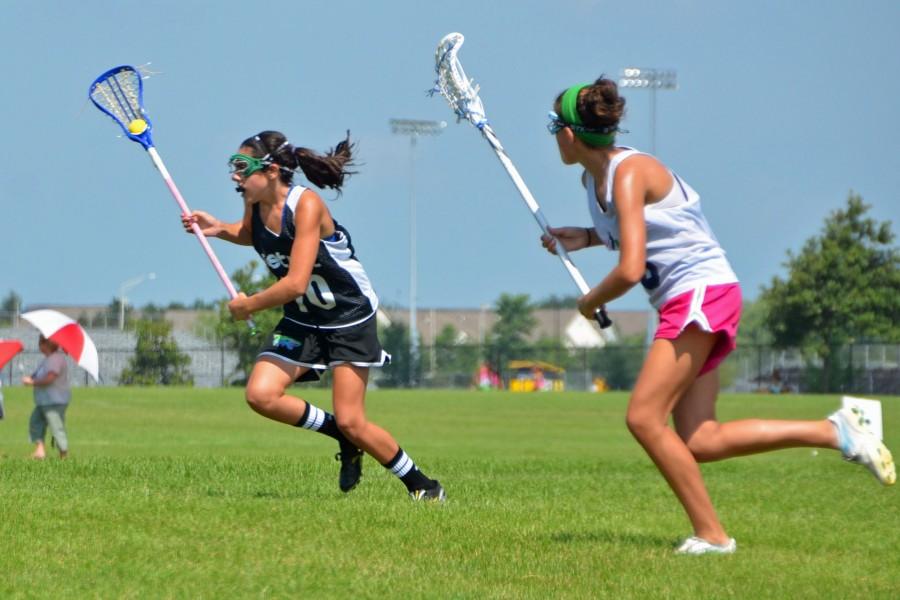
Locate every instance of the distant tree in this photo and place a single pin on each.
(113, 309)
(157, 359)
(842, 287)
(153, 312)
(11, 306)
(508, 336)
(198, 304)
(201, 304)
(206, 326)
(754, 329)
(404, 370)
(620, 362)
(554, 301)
(237, 335)
(448, 336)
(454, 358)
(554, 350)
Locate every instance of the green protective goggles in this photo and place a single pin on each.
(599, 137)
(245, 165)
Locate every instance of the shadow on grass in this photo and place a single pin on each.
(642, 540)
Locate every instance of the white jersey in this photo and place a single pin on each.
(682, 251)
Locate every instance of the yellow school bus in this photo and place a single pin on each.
(535, 376)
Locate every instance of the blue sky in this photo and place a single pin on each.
(782, 109)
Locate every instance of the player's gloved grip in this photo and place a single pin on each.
(602, 318)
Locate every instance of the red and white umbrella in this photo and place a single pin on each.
(8, 349)
(69, 335)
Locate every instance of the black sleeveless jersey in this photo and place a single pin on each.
(339, 292)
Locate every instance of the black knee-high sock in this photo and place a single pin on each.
(403, 467)
(316, 419)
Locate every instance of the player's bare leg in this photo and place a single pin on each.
(266, 395)
(669, 371)
(709, 440)
(349, 409)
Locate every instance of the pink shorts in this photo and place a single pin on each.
(716, 309)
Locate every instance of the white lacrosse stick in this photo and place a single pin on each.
(462, 96)
(119, 93)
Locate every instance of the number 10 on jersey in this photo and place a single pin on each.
(318, 294)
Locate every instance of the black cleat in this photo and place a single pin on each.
(351, 466)
(435, 493)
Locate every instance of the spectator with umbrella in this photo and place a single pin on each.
(51, 399)
(51, 380)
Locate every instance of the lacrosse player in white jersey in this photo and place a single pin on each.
(329, 304)
(653, 219)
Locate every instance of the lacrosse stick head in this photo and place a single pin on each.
(458, 90)
(119, 93)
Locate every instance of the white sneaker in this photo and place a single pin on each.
(695, 545)
(861, 446)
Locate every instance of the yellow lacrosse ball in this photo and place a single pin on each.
(138, 126)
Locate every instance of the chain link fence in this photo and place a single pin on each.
(211, 365)
(863, 368)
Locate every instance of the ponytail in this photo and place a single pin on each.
(328, 170)
(322, 170)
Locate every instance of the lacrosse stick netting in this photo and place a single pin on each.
(119, 93)
(461, 94)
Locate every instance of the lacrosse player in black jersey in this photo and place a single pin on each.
(329, 304)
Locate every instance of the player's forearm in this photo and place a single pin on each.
(235, 233)
(615, 285)
(280, 293)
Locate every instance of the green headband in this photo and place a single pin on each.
(569, 109)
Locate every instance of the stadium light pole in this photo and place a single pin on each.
(649, 79)
(126, 286)
(643, 78)
(414, 128)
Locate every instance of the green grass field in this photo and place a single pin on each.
(183, 493)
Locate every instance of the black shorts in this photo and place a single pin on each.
(320, 349)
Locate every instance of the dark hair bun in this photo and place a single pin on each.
(600, 104)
